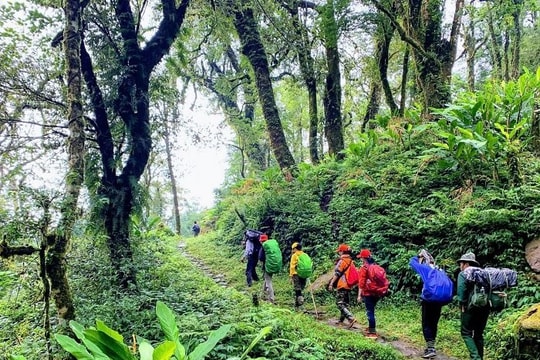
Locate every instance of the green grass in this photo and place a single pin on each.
(397, 317)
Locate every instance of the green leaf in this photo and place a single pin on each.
(262, 333)
(167, 322)
(78, 330)
(164, 351)
(73, 347)
(441, 145)
(203, 349)
(146, 350)
(100, 325)
(110, 346)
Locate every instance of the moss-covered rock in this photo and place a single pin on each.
(529, 332)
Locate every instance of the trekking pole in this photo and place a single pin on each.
(313, 298)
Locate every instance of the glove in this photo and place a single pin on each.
(425, 257)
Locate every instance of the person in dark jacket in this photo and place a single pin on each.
(196, 229)
(473, 319)
(251, 254)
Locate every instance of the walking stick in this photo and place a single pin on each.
(313, 298)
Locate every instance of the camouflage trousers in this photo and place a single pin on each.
(342, 302)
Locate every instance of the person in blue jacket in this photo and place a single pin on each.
(424, 265)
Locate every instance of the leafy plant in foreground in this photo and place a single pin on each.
(104, 343)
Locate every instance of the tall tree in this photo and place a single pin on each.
(119, 179)
(253, 48)
(58, 241)
(433, 54)
(306, 61)
(333, 127)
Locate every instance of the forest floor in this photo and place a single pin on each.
(406, 348)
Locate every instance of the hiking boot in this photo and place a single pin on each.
(429, 353)
(371, 335)
(299, 301)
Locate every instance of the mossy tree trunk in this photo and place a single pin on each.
(118, 185)
(253, 49)
(58, 242)
(306, 62)
(333, 127)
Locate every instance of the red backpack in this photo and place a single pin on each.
(351, 275)
(377, 282)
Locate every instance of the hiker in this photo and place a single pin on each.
(196, 229)
(339, 282)
(473, 319)
(437, 291)
(367, 293)
(251, 253)
(299, 283)
(271, 259)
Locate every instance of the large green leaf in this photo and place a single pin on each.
(164, 351)
(78, 330)
(260, 335)
(100, 325)
(203, 349)
(110, 346)
(146, 350)
(73, 347)
(167, 322)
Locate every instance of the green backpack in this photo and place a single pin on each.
(304, 268)
(273, 262)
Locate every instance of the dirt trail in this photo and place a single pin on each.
(406, 349)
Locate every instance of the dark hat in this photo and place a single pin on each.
(468, 258)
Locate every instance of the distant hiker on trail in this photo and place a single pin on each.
(339, 282)
(300, 270)
(372, 285)
(272, 262)
(473, 319)
(196, 229)
(251, 253)
(437, 291)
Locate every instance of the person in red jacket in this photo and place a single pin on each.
(364, 294)
(339, 282)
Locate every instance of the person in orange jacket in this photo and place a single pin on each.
(339, 282)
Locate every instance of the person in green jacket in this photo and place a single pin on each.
(473, 319)
(272, 262)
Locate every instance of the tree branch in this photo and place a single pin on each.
(7, 251)
(402, 33)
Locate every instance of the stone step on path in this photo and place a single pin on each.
(218, 278)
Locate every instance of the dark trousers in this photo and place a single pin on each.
(431, 313)
(251, 273)
(298, 285)
(473, 323)
(370, 302)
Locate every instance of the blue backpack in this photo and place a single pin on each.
(438, 287)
